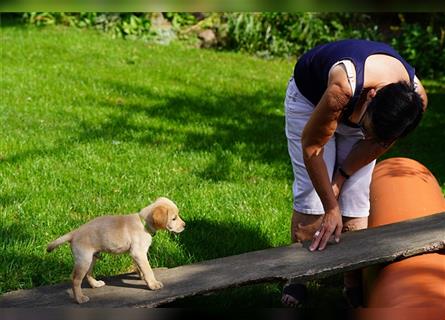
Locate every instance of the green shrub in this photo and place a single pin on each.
(180, 19)
(419, 39)
(422, 47)
(122, 25)
(291, 34)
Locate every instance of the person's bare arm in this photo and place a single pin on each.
(361, 154)
(368, 150)
(317, 132)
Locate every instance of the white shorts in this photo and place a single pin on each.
(354, 196)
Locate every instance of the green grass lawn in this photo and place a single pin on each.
(92, 125)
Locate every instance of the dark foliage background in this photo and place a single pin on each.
(419, 37)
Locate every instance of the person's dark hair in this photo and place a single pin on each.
(395, 111)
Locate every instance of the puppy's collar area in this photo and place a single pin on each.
(150, 229)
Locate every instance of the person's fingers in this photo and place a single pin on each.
(323, 235)
(316, 240)
(324, 239)
(338, 233)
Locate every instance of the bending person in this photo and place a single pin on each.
(346, 104)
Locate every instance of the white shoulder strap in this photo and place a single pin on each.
(350, 72)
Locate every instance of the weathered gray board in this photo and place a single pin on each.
(356, 249)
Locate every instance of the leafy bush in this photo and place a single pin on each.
(420, 41)
(181, 19)
(422, 47)
(282, 34)
(285, 34)
(122, 25)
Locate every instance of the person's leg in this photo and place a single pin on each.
(303, 227)
(354, 204)
(352, 280)
(298, 112)
(307, 207)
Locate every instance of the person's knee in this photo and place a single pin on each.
(304, 226)
(354, 223)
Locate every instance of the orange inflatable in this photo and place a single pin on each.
(403, 189)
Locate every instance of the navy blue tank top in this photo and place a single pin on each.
(312, 69)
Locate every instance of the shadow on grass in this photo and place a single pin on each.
(205, 239)
(241, 126)
(232, 121)
(238, 126)
(11, 19)
(21, 265)
(10, 199)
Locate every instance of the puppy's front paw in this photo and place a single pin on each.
(82, 299)
(155, 285)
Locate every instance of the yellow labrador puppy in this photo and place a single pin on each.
(119, 234)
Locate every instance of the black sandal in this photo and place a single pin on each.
(296, 291)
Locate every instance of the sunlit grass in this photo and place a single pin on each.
(93, 126)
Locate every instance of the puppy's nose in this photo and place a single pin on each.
(183, 224)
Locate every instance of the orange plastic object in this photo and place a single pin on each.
(404, 189)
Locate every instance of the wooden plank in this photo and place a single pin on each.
(356, 249)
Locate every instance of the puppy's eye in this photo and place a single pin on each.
(174, 218)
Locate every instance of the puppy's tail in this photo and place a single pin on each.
(51, 246)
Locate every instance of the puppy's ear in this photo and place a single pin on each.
(160, 217)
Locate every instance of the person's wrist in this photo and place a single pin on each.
(343, 173)
(333, 210)
(338, 181)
